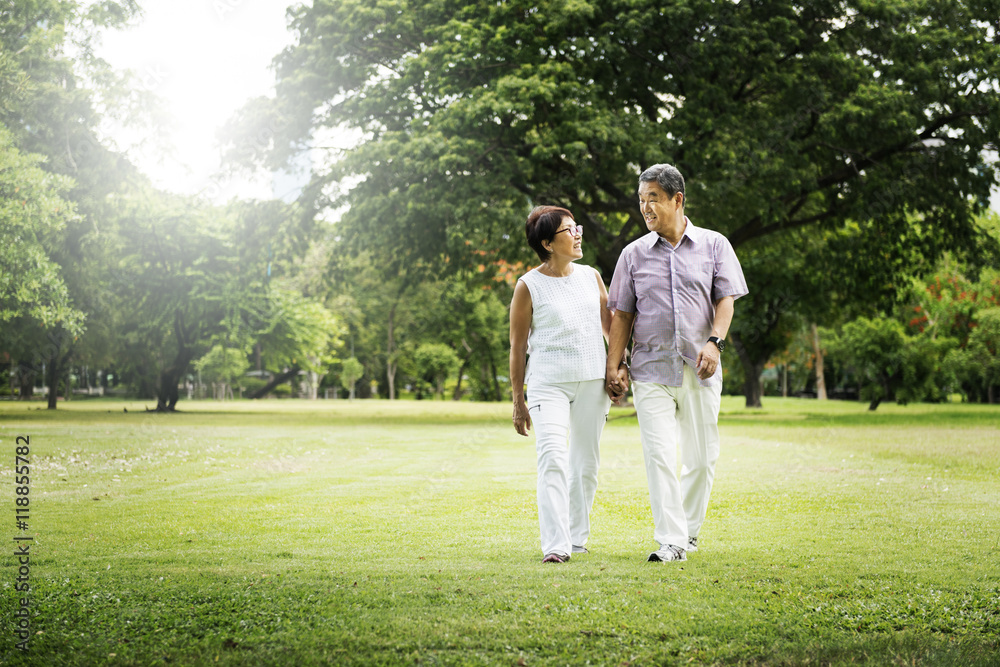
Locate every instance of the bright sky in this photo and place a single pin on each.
(204, 59)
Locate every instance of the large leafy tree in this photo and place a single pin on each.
(54, 92)
(36, 311)
(785, 116)
(189, 277)
(32, 210)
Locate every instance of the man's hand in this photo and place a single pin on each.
(522, 420)
(616, 383)
(708, 361)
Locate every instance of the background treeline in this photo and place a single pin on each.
(847, 149)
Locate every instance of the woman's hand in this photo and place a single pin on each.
(616, 384)
(522, 420)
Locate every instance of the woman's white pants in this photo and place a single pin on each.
(568, 419)
(690, 414)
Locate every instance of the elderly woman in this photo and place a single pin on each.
(558, 320)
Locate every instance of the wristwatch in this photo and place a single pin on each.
(719, 343)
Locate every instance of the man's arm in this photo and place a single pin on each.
(615, 372)
(708, 358)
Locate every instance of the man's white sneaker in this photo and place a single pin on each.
(580, 550)
(692, 544)
(667, 552)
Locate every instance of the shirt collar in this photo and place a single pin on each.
(690, 231)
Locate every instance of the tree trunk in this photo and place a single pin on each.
(751, 371)
(167, 392)
(280, 378)
(498, 396)
(26, 381)
(313, 385)
(390, 357)
(784, 380)
(461, 371)
(820, 377)
(886, 394)
(53, 377)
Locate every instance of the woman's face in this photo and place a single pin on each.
(566, 242)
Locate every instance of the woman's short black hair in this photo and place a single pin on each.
(542, 225)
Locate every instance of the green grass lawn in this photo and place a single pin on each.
(369, 532)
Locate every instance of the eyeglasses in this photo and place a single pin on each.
(576, 231)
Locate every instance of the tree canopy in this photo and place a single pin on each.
(781, 114)
(32, 210)
(867, 127)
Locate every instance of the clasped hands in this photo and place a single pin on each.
(616, 383)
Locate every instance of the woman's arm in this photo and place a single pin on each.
(618, 387)
(520, 324)
(605, 313)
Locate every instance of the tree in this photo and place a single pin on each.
(890, 364)
(293, 333)
(955, 306)
(36, 309)
(57, 101)
(51, 106)
(32, 210)
(222, 365)
(435, 362)
(983, 352)
(960, 300)
(783, 116)
(469, 315)
(178, 277)
(350, 372)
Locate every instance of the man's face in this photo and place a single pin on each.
(657, 207)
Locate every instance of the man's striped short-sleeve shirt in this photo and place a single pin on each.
(673, 292)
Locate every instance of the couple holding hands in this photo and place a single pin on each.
(672, 292)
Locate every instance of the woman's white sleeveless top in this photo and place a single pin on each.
(565, 342)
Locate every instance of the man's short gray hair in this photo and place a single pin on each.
(666, 176)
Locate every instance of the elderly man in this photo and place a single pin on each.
(673, 291)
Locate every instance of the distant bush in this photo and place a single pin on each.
(890, 364)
